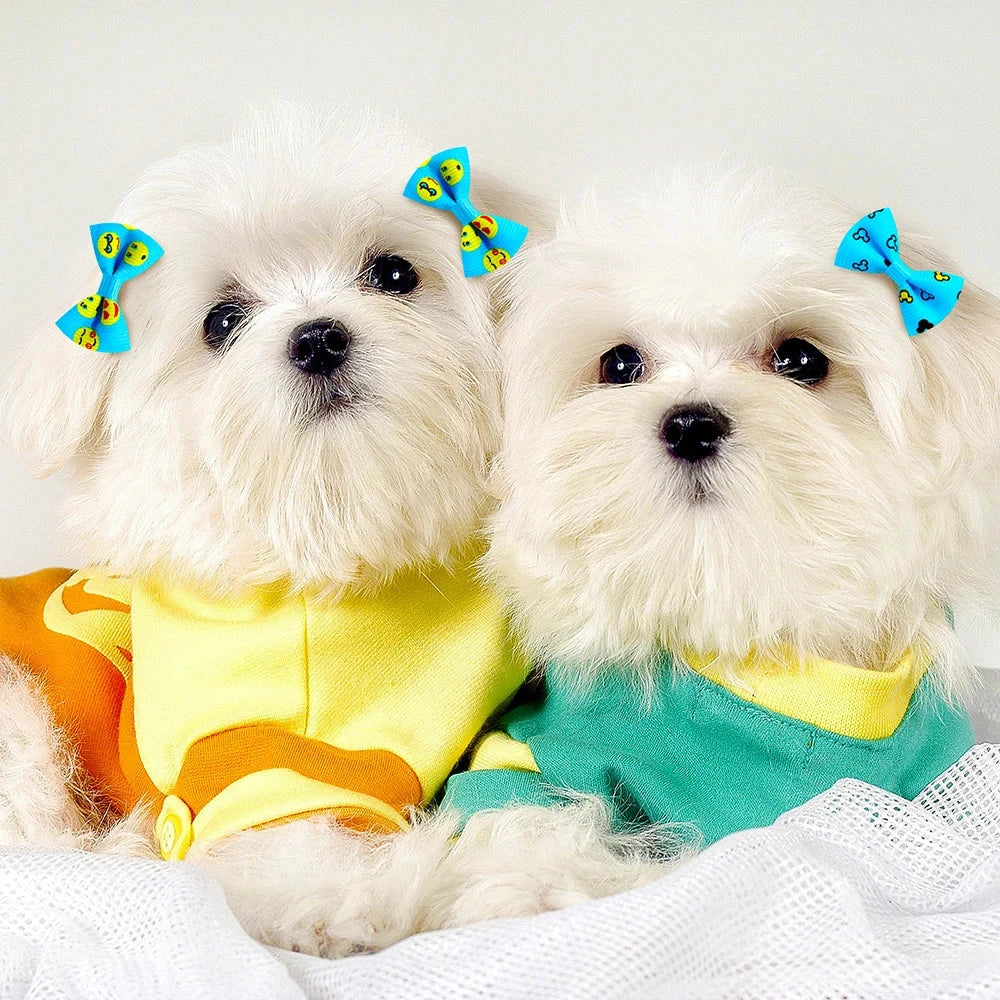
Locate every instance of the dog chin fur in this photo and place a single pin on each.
(220, 469)
(837, 521)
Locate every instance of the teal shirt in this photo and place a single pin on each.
(702, 755)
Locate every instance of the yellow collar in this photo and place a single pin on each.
(851, 701)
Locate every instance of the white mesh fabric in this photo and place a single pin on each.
(75, 926)
(856, 895)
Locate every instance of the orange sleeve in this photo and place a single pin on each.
(84, 688)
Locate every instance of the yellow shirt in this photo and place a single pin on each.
(251, 710)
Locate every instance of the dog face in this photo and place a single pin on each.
(312, 389)
(718, 441)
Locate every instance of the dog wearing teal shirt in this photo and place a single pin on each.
(738, 502)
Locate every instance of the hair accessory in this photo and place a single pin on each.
(488, 241)
(96, 323)
(925, 297)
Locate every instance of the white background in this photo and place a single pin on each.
(882, 103)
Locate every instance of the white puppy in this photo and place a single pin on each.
(305, 417)
(739, 501)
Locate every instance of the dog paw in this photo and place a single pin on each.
(522, 861)
(328, 939)
(313, 887)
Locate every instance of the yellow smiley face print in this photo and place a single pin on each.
(108, 244)
(495, 259)
(87, 338)
(88, 307)
(452, 172)
(428, 188)
(137, 253)
(470, 239)
(486, 224)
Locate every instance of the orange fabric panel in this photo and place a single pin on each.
(84, 689)
(363, 821)
(215, 762)
(352, 817)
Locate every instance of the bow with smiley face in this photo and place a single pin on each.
(488, 241)
(925, 297)
(96, 323)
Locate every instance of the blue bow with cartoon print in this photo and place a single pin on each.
(96, 323)
(925, 297)
(488, 241)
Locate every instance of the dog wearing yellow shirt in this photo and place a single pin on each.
(739, 504)
(279, 646)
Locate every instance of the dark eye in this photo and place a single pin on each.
(800, 361)
(622, 365)
(222, 322)
(388, 273)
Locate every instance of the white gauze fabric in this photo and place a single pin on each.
(855, 895)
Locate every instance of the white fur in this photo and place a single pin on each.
(313, 886)
(45, 800)
(216, 471)
(843, 517)
(522, 861)
(215, 468)
(840, 520)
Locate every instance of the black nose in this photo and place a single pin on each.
(319, 347)
(692, 433)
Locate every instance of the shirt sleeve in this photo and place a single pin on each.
(502, 772)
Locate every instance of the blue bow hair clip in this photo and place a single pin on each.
(925, 297)
(96, 323)
(488, 241)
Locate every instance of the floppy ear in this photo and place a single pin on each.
(51, 400)
(498, 197)
(961, 356)
(957, 421)
(537, 213)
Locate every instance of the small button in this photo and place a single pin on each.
(173, 829)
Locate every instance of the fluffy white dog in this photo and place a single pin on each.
(308, 409)
(734, 491)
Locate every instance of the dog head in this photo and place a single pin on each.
(312, 390)
(718, 441)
